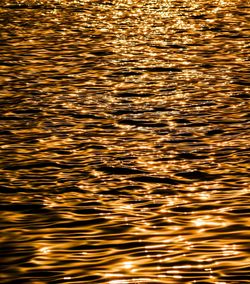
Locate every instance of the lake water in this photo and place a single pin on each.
(124, 141)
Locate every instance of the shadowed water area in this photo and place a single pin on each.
(124, 141)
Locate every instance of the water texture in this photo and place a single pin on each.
(124, 141)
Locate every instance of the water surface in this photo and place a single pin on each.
(124, 141)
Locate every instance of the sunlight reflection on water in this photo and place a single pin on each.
(124, 141)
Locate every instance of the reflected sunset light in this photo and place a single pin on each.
(124, 141)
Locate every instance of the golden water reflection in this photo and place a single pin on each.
(124, 149)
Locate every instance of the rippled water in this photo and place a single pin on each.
(124, 141)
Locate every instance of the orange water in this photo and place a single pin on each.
(124, 141)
